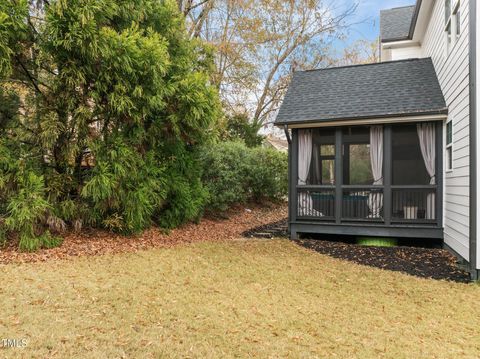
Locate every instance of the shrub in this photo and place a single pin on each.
(268, 174)
(124, 189)
(45, 240)
(226, 167)
(109, 138)
(27, 209)
(186, 196)
(234, 173)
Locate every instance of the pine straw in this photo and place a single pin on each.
(96, 242)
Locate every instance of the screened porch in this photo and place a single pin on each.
(379, 177)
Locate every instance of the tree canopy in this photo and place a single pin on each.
(260, 43)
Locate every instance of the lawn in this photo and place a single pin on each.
(232, 299)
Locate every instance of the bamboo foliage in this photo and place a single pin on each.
(99, 99)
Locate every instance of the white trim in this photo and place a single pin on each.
(452, 23)
(448, 146)
(400, 44)
(371, 121)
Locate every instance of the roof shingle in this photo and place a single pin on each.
(395, 23)
(386, 89)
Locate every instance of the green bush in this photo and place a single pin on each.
(45, 240)
(234, 173)
(186, 196)
(27, 209)
(110, 136)
(226, 168)
(268, 174)
(124, 188)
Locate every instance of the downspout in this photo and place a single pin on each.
(473, 139)
(290, 178)
(289, 139)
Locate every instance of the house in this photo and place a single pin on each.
(390, 149)
(276, 143)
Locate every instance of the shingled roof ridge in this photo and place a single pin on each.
(398, 7)
(367, 64)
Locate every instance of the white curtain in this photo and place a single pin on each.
(375, 200)
(426, 136)
(304, 155)
(305, 201)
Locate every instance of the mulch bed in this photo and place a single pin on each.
(96, 242)
(421, 262)
(431, 263)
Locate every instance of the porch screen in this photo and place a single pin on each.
(375, 199)
(426, 136)
(305, 147)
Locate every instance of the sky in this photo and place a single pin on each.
(366, 18)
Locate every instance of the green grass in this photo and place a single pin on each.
(377, 241)
(233, 299)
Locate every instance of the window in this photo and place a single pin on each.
(448, 10)
(449, 152)
(457, 24)
(327, 158)
(452, 23)
(322, 167)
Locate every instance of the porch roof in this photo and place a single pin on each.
(381, 90)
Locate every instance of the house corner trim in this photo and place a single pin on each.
(473, 140)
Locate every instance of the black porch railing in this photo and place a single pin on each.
(406, 205)
(363, 204)
(316, 203)
(414, 205)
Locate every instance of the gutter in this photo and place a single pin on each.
(413, 24)
(418, 6)
(475, 273)
(413, 116)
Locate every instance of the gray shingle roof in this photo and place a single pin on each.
(395, 23)
(386, 89)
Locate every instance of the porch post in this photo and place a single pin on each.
(289, 193)
(338, 175)
(293, 180)
(387, 175)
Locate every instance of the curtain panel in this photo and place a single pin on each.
(426, 136)
(305, 150)
(375, 199)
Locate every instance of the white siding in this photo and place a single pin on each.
(452, 71)
(402, 53)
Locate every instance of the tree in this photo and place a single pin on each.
(239, 127)
(119, 81)
(260, 43)
(196, 12)
(361, 52)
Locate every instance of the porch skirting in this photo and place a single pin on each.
(402, 231)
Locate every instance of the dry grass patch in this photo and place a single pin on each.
(232, 299)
